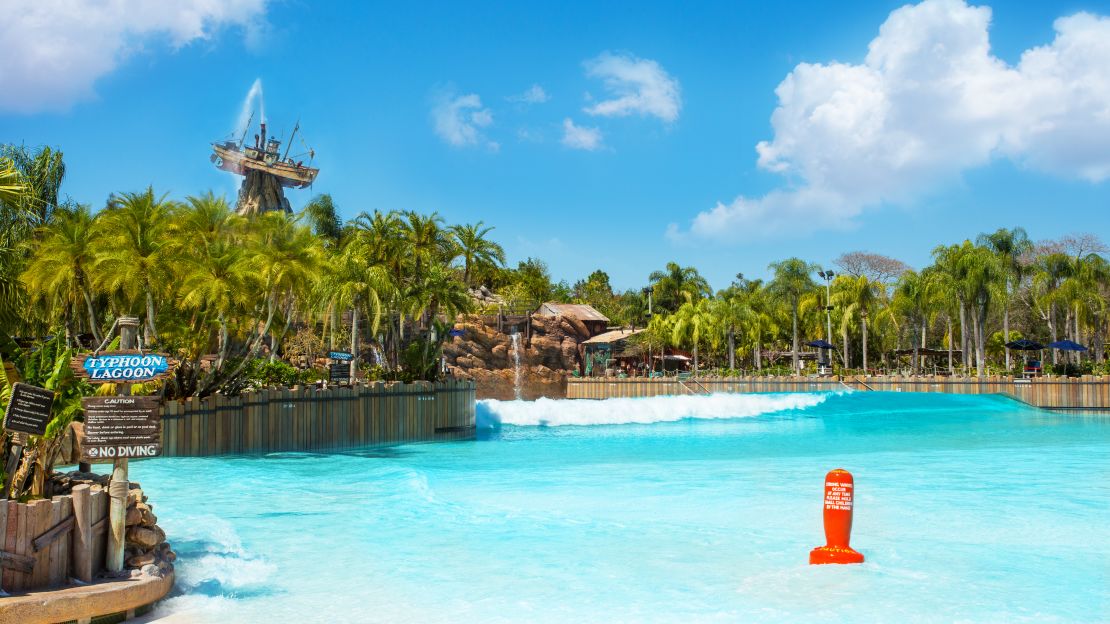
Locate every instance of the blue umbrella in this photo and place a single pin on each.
(821, 344)
(1066, 345)
(1025, 345)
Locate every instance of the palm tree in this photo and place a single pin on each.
(910, 302)
(427, 242)
(983, 279)
(1050, 272)
(694, 323)
(791, 282)
(357, 284)
(1011, 247)
(286, 256)
(199, 221)
(59, 268)
(13, 190)
(129, 238)
(1079, 292)
(854, 297)
(40, 172)
(475, 248)
(676, 285)
(217, 282)
(322, 216)
(951, 265)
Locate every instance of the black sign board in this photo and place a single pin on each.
(340, 371)
(342, 356)
(121, 427)
(29, 409)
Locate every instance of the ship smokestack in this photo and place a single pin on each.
(262, 145)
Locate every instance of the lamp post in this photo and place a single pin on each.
(651, 365)
(827, 276)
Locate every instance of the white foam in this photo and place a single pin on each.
(554, 413)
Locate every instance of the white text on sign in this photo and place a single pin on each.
(838, 496)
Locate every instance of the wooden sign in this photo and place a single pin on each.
(342, 356)
(121, 427)
(122, 366)
(340, 371)
(29, 409)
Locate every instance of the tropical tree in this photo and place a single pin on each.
(1011, 247)
(910, 302)
(58, 272)
(792, 281)
(322, 216)
(128, 243)
(676, 285)
(476, 249)
(694, 325)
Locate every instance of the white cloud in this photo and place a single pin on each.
(929, 102)
(459, 118)
(635, 85)
(534, 95)
(578, 137)
(53, 51)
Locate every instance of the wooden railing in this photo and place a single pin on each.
(307, 419)
(1059, 393)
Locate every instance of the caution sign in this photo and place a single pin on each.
(838, 495)
(121, 427)
(29, 409)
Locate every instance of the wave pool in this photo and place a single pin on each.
(670, 509)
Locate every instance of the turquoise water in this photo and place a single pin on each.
(675, 509)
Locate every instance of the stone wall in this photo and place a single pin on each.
(550, 350)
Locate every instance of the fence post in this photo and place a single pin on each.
(82, 534)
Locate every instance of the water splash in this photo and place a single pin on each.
(553, 413)
(516, 365)
(255, 93)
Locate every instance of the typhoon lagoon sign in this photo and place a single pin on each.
(122, 366)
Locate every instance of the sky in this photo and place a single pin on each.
(617, 136)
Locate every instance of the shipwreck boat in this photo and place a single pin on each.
(264, 156)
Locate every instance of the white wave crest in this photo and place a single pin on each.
(554, 413)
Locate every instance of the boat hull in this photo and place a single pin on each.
(288, 174)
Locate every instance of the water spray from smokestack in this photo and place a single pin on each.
(248, 106)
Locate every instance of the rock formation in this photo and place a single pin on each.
(550, 351)
(261, 192)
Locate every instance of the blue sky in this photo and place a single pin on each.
(649, 117)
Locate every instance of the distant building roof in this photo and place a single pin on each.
(610, 337)
(579, 311)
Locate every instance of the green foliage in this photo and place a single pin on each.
(263, 372)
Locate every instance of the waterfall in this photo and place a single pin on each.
(379, 357)
(515, 336)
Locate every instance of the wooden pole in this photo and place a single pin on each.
(19, 440)
(119, 486)
(82, 533)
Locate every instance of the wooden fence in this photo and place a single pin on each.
(307, 419)
(1058, 393)
(46, 542)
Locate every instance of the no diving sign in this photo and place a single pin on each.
(121, 427)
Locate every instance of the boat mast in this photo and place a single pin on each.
(246, 129)
(290, 143)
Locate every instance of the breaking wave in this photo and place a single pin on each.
(555, 413)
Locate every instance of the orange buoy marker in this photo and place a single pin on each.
(839, 496)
